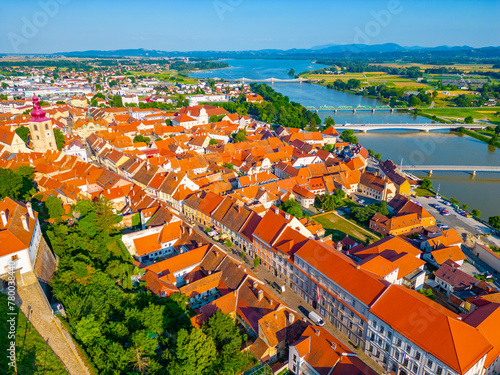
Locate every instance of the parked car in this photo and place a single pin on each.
(316, 319)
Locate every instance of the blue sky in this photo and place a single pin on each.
(46, 26)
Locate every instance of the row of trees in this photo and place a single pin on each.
(122, 328)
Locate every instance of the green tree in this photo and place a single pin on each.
(140, 138)
(428, 293)
(292, 207)
(291, 72)
(117, 101)
(312, 125)
(87, 330)
(382, 208)
(17, 184)
(216, 118)
(213, 142)
(256, 262)
(59, 139)
(494, 221)
(348, 136)
(454, 201)
(195, 353)
(11, 184)
(229, 165)
(54, 206)
(23, 132)
(426, 184)
(228, 340)
(476, 212)
(469, 120)
(240, 136)
(329, 121)
(328, 147)
(465, 206)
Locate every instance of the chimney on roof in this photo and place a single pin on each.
(287, 216)
(339, 247)
(24, 220)
(209, 272)
(333, 345)
(187, 281)
(4, 218)
(316, 331)
(291, 318)
(30, 210)
(190, 230)
(358, 266)
(271, 302)
(275, 317)
(255, 283)
(276, 210)
(260, 295)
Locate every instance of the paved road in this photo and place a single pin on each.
(31, 295)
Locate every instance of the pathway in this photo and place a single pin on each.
(42, 318)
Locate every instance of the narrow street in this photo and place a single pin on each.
(294, 301)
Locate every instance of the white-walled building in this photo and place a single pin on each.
(408, 334)
(20, 237)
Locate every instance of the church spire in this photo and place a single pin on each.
(37, 114)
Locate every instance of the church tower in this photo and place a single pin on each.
(42, 134)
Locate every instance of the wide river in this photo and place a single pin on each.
(415, 148)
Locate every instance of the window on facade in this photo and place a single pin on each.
(389, 335)
(405, 362)
(372, 337)
(398, 343)
(417, 356)
(387, 347)
(350, 325)
(385, 359)
(46, 126)
(439, 370)
(352, 314)
(408, 348)
(394, 367)
(381, 330)
(396, 355)
(15, 257)
(374, 323)
(370, 349)
(415, 368)
(429, 363)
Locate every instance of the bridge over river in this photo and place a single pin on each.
(407, 126)
(451, 168)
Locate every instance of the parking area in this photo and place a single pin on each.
(454, 220)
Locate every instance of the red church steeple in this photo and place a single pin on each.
(37, 114)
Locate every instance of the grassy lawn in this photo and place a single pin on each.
(461, 113)
(34, 357)
(166, 76)
(424, 192)
(338, 227)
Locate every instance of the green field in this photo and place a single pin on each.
(166, 75)
(338, 227)
(33, 354)
(451, 113)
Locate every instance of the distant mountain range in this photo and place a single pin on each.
(317, 51)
